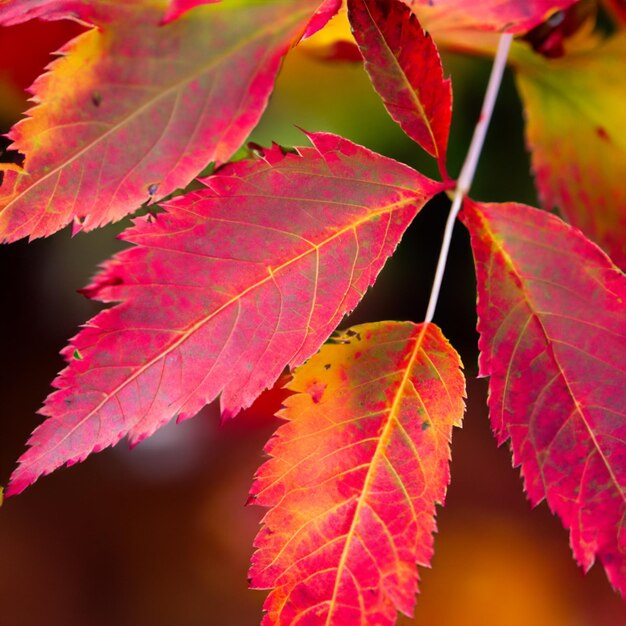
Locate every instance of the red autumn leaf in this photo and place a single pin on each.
(552, 323)
(335, 43)
(511, 16)
(576, 132)
(326, 10)
(404, 66)
(134, 110)
(234, 283)
(354, 476)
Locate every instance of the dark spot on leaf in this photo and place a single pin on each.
(327, 366)
(601, 132)
(316, 390)
(96, 98)
(425, 425)
(342, 337)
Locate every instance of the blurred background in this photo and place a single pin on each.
(160, 536)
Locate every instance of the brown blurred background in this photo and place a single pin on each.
(160, 536)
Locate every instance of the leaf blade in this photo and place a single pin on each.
(218, 295)
(134, 110)
(556, 366)
(355, 431)
(405, 69)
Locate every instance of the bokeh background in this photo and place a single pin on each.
(160, 536)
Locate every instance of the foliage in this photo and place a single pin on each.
(249, 269)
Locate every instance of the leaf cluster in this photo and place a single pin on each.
(247, 270)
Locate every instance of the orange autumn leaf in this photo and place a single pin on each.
(355, 474)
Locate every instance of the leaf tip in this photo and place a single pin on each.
(17, 484)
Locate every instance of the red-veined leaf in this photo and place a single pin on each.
(404, 66)
(134, 110)
(552, 323)
(219, 294)
(354, 476)
(511, 16)
(576, 132)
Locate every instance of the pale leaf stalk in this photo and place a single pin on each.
(469, 167)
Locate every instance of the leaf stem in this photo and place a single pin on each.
(469, 167)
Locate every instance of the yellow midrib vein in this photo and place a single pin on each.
(380, 447)
(414, 96)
